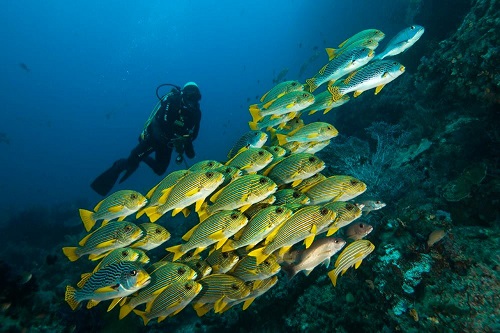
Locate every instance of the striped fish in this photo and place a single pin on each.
(281, 89)
(247, 268)
(222, 262)
(325, 101)
(104, 239)
(153, 236)
(114, 281)
(240, 194)
(192, 188)
(294, 168)
(170, 301)
(317, 131)
(200, 266)
(314, 147)
(217, 228)
(230, 173)
(291, 198)
(259, 226)
(218, 290)
(292, 102)
(251, 160)
(271, 121)
(374, 75)
(372, 44)
(117, 255)
(205, 165)
(309, 182)
(161, 278)
(339, 66)
(374, 34)
(335, 188)
(302, 225)
(259, 288)
(158, 194)
(277, 151)
(352, 255)
(346, 213)
(251, 139)
(116, 206)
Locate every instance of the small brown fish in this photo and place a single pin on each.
(358, 231)
(435, 237)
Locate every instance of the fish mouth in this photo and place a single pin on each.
(198, 287)
(137, 234)
(143, 279)
(402, 68)
(193, 275)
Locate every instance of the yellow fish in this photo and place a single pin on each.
(335, 188)
(352, 255)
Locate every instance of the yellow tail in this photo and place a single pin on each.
(311, 84)
(255, 112)
(281, 138)
(176, 250)
(87, 217)
(69, 297)
(336, 94)
(333, 276)
(259, 255)
(143, 315)
(70, 252)
(125, 310)
(228, 246)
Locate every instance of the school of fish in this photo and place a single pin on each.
(264, 209)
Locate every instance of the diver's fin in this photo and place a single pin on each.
(105, 182)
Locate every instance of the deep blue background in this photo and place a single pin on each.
(94, 67)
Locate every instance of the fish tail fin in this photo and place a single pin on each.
(69, 297)
(143, 315)
(253, 125)
(289, 270)
(228, 246)
(333, 276)
(87, 217)
(336, 94)
(311, 84)
(125, 310)
(152, 213)
(259, 255)
(255, 112)
(281, 138)
(332, 53)
(203, 213)
(140, 212)
(70, 252)
(176, 250)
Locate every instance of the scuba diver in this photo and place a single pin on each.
(173, 124)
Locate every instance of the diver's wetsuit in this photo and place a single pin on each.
(174, 126)
(173, 123)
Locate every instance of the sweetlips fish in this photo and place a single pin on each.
(317, 131)
(374, 75)
(114, 281)
(281, 89)
(271, 121)
(217, 228)
(247, 268)
(339, 66)
(291, 198)
(230, 173)
(372, 44)
(315, 146)
(309, 182)
(292, 102)
(402, 41)
(277, 151)
(335, 188)
(104, 239)
(258, 288)
(251, 160)
(192, 188)
(295, 168)
(205, 165)
(294, 147)
(259, 226)
(325, 101)
(373, 34)
(172, 300)
(251, 139)
(357, 231)
(219, 290)
(153, 236)
(162, 277)
(200, 266)
(222, 262)
(158, 194)
(117, 205)
(117, 255)
(319, 252)
(352, 255)
(347, 212)
(240, 194)
(302, 225)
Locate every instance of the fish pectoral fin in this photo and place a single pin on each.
(115, 209)
(114, 302)
(188, 234)
(106, 244)
(218, 235)
(174, 304)
(296, 182)
(247, 303)
(192, 192)
(357, 264)
(107, 289)
(95, 257)
(377, 90)
(327, 262)
(252, 271)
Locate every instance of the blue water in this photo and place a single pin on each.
(94, 66)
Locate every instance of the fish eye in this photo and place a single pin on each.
(235, 287)
(329, 128)
(305, 95)
(294, 84)
(127, 228)
(266, 263)
(124, 253)
(275, 149)
(324, 211)
(336, 241)
(296, 194)
(158, 230)
(234, 216)
(354, 182)
(228, 170)
(133, 273)
(361, 225)
(210, 164)
(261, 153)
(210, 174)
(133, 196)
(312, 159)
(263, 180)
(181, 271)
(225, 255)
(188, 286)
(279, 210)
(412, 27)
(349, 206)
(378, 202)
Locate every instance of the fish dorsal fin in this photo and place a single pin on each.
(323, 69)
(85, 239)
(151, 191)
(264, 96)
(163, 198)
(84, 278)
(349, 77)
(188, 234)
(331, 52)
(114, 303)
(96, 208)
(377, 90)
(214, 196)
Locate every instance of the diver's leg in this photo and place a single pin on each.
(140, 152)
(160, 164)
